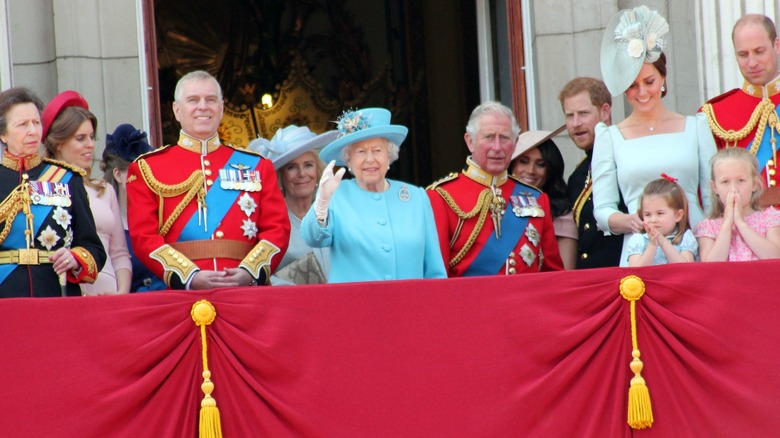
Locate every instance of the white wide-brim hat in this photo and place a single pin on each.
(632, 37)
(289, 143)
(531, 139)
(362, 124)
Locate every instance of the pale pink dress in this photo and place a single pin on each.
(739, 251)
(105, 210)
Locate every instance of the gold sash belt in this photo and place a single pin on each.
(25, 257)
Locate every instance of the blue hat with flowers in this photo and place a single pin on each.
(290, 142)
(126, 142)
(632, 37)
(357, 125)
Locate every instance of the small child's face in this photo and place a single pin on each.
(733, 175)
(657, 214)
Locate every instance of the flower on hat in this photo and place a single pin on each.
(642, 29)
(127, 142)
(635, 48)
(351, 121)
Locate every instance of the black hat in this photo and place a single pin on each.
(127, 142)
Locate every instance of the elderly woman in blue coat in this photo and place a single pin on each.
(376, 228)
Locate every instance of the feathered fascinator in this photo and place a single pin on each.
(632, 37)
(290, 142)
(126, 142)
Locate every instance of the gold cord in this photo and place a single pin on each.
(482, 207)
(763, 114)
(192, 186)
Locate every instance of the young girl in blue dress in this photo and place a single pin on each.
(663, 208)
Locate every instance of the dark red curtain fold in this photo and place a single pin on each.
(537, 355)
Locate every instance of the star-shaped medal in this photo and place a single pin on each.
(250, 228)
(247, 204)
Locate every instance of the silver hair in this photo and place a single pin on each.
(392, 151)
(200, 75)
(490, 107)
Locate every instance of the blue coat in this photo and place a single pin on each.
(378, 236)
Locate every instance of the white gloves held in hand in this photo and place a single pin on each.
(328, 185)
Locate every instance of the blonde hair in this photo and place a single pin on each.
(737, 154)
(675, 197)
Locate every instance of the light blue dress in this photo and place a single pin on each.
(639, 241)
(626, 166)
(377, 236)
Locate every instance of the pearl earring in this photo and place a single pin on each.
(663, 88)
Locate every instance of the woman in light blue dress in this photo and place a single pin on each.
(653, 139)
(376, 228)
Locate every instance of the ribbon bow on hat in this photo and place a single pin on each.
(632, 37)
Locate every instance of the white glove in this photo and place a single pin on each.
(328, 185)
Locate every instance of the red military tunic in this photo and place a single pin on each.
(735, 118)
(459, 202)
(202, 205)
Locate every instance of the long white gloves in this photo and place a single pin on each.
(328, 185)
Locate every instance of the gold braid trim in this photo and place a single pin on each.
(16, 201)
(764, 112)
(192, 186)
(9, 208)
(482, 207)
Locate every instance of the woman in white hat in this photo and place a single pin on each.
(376, 228)
(653, 139)
(294, 153)
(538, 162)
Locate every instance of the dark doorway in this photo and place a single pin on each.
(416, 58)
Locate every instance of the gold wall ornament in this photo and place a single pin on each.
(299, 100)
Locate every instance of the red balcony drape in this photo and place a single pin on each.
(539, 355)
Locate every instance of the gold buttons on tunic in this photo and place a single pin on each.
(208, 172)
(219, 234)
(586, 227)
(584, 256)
(209, 182)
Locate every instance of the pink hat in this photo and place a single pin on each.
(59, 103)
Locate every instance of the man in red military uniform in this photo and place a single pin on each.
(201, 214)
(488, 222)
(747, 117)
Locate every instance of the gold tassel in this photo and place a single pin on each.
(640, 409)
(204, 313)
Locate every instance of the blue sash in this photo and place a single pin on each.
(494, 253)
(218, 200)
(764, 153)
(15, 239)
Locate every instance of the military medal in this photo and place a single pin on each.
(532, 234)
(240, 178)
(527, 254)
(404, 194)
(536, 209)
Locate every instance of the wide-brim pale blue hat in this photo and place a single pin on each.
(362, 124)
(632, 37)
(289, 143)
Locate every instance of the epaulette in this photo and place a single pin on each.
(515, 179)
(71, 167)
(450, 177)
(153, 151)
(721, 97)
